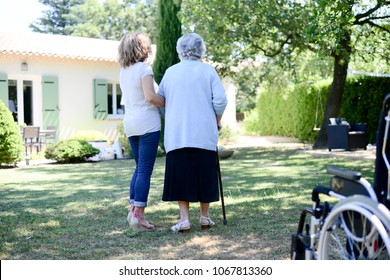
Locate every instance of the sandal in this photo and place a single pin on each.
(181, 226)
(139, 224)
(206, 222)
(130, 215)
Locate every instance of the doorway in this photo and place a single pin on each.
(28, 102)
(22, 99)
(13, 98)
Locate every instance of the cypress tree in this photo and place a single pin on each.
(169, 31)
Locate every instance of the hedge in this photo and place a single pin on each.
(292, 113)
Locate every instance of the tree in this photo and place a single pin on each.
(169, 31)
(242, 29)
(108, 19)
(91, 12)
(145, 18)
(57, 19)
(112, 19)
(342, 27)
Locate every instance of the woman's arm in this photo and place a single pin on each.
(150, 93)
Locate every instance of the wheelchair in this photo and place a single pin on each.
(350, 218)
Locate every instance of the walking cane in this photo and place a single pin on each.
(221, 189)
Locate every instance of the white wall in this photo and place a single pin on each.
(229, 117)
(75, 82)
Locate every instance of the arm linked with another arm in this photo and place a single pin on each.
(150, 94)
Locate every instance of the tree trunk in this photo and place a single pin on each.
(334, 99)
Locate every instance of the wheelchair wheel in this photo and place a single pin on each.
(356, 228)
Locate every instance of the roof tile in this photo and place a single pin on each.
(59, 46)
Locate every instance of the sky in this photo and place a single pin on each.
(16, 15)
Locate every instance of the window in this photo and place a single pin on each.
(114, 96)
(107, 100)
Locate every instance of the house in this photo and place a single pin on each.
(68, 82)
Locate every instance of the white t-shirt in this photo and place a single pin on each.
(141, 117)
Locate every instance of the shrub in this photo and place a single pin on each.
(226, 135)
(362, 101)
(291, 112)
(160, 151)
(71, 151)
(11, 143)
(122, 138)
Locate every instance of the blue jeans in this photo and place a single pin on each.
(144, 148)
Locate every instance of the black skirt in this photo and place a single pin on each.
(191, 175)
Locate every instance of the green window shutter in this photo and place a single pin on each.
(50, 101)
(4, 89)
(100, 99)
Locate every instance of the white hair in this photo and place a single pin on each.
(190, 47)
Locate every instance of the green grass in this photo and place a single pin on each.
(79, 211)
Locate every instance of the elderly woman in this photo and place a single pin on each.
(194, 103)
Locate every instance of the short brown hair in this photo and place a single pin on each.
(134, 47)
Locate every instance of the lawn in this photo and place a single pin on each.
(78, 211)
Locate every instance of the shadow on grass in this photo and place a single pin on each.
(79, 211)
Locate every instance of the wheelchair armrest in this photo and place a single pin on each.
(317, 191)
(346, 174)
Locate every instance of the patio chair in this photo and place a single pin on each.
(31, 138)
(347, 136)
(49, 136)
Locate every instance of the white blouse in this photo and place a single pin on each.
(141, 117)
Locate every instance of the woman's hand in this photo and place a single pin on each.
(219, 125)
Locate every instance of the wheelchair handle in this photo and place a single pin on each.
(385, 159)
